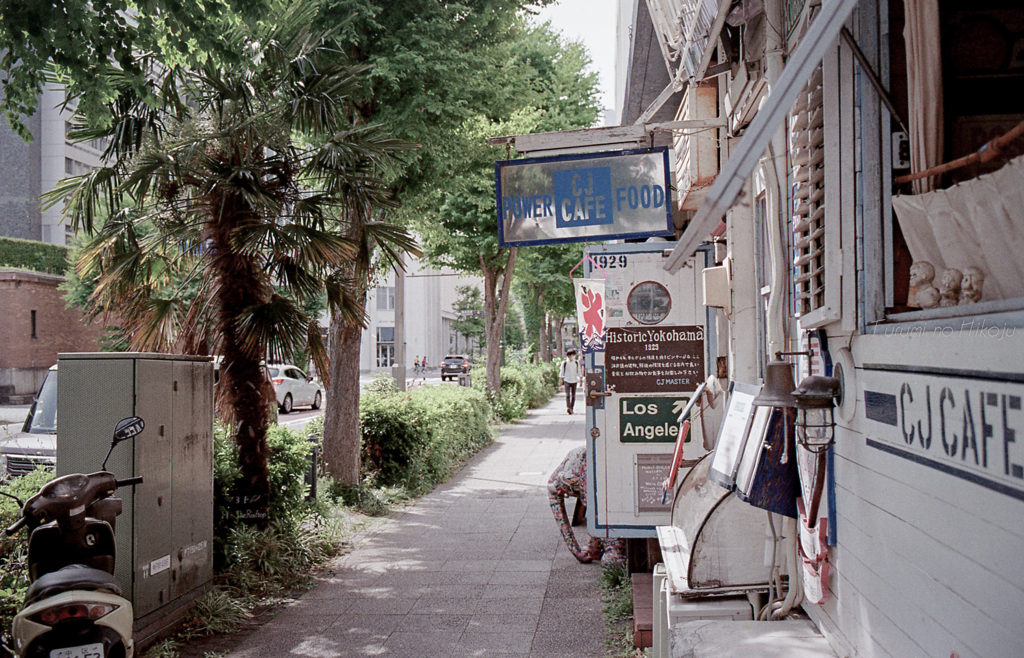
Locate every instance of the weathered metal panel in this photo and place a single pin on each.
(192, 477)
(154, 497)
(92, 395)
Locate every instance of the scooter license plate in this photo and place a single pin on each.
(84, 651)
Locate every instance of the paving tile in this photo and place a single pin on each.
(358, 625)
(385, 606)
(436, 644)
(431, 623)
(445, 607)
(480, 566)
(514, 592)
(494, 623)
(562, 588)
(518, 578)
(475, 569)
(522, 566)
(494, 642)
(566, 645)
(506, 606)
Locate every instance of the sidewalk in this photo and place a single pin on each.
(476, 568)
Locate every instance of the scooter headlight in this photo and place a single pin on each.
(78, 611)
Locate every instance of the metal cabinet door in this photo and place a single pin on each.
(654, 359)
(192, 477)
(153, 498)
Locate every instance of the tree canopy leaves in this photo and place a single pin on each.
(94, 47)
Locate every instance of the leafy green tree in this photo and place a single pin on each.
(95, 47)
(229, 215)
(459, 224)
(469, 309)
(543, 276)
(513, 335)
(433, 67)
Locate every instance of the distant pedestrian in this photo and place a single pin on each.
(416, 365)
(569, 373)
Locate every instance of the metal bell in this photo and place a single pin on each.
(778, 386)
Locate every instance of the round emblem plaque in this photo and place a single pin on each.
(649, 302)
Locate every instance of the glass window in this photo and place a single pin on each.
(43, 415)
(385, 355)
(385, 299)
(385, 334)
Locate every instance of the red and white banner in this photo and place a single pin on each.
(590, 308)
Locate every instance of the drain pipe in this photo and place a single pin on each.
(776, 175)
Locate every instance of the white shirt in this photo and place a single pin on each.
(571, 371)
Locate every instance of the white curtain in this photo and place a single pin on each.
(979, 223)
(924, 87)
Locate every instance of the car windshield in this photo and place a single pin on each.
(453, 359)
(273, 372)
(42, 417)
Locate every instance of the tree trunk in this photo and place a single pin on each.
(244, 394)
(495, 303)
(542, 339)
(342, 434)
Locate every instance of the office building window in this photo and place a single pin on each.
(385, 299)
(75, 168)
(385, 347)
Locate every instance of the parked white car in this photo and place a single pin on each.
(294, 388)
(36, 444)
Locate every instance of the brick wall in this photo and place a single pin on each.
(24, 358)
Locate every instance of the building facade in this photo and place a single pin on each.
(430, 319)
(909, 292)
(35, 326)
(32, 169)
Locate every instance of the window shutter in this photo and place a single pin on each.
(807, 146)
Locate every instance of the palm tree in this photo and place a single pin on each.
(231, 196)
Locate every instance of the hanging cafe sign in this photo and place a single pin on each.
(583, 197)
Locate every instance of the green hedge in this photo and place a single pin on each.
(288, 463)
(525, 386)
(14, 550)
(457, 419)
(420, 438)
(32, 255)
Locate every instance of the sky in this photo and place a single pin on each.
(593, 23)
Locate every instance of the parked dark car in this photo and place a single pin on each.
(453, 366)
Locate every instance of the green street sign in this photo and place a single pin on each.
(650, 420)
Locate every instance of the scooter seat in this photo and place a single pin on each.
(71, 577)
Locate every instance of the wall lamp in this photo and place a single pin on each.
(815, 405)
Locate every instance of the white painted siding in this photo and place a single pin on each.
(927, 563)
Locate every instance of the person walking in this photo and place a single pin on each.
(570, 376)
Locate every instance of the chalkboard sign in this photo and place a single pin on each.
(651, 471)
(654, 360)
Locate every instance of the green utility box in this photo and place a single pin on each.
(164, 536)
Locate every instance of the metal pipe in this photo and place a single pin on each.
(990, 151)
(775, 324)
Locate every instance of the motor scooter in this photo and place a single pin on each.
(73, 607)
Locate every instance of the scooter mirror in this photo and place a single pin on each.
(128, 428)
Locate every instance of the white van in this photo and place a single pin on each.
(36, 444)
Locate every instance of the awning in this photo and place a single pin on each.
(738, 168)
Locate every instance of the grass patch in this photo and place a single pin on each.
(617, 605)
